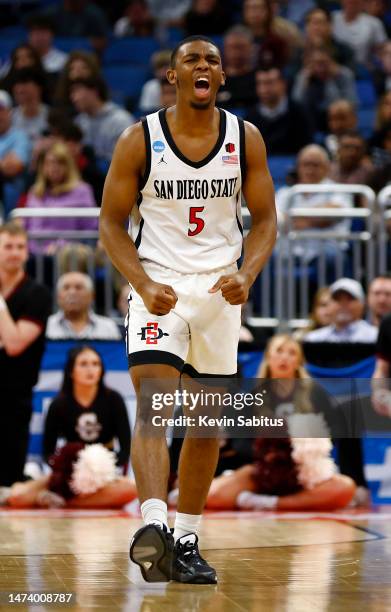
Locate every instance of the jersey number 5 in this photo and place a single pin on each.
(194, 220)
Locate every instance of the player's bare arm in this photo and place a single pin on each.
(119, 196)
(259, 195)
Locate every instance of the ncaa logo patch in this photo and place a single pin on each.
(158, 146)
(151, 333)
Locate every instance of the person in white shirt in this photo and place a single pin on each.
(347, 324)
(152, 89)
(313, 167)
(40, 37)
(76, 319)
(362, 32)
(30, 114)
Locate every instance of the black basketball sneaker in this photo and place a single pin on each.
(152, 548)
(188, 565)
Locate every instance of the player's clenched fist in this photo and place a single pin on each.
(159, 299)
(234, 288)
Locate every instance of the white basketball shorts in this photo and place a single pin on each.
(199, 336)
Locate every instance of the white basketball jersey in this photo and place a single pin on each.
(188, 214)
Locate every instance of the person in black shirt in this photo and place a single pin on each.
(238, 90)
(89, 416)
(86, 410)
(24, 310)
(283, 123)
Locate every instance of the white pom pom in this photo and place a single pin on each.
(94, 468)
(312, 457)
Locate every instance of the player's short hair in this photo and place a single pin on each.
(13, 228)
(189, 39)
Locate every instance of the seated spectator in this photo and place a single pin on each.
(362, 32)
(276, 480)
(347, 324)
(75, 318)
(30, 114)
(151, 91)
(23, 56)
(87, 415)
(238, 52)
(341, 118)
(382, 73)
(86, 410)
(313, 168)
(83, 156)
(379, 298)
(322, 82)
(80, 65)
(137, 20)
(379, 9)
(58, 184)
(101, 121)
(318, 34)
(352, 165)
(282, 122)
(207, 16)
(79, 18)
(320, 315)
(40, 37)
(14, 155)
(273, 50)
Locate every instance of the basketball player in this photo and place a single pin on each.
(186, 168)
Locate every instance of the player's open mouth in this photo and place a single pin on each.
(201, 87)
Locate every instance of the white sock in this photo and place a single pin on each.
(252, 501)
(154, 511)
(186, 525)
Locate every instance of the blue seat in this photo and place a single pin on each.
(366, 93)
(136, 51)
(280, 165)
(366, 121)
(16, 31)
(174, 36)
(72, 43)
(7, 45)
(125, 81)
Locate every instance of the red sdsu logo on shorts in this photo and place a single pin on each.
(152, 333)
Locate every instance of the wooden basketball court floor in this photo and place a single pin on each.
(265, 561)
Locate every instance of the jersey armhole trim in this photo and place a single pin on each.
(147, 139)
(242, 145)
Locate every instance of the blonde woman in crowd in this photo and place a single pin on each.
(58, 184)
